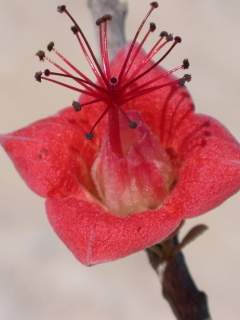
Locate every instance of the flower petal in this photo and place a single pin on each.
(209, 174)
(94, 235)
(51, 155)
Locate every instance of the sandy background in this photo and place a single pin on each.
(39, 278)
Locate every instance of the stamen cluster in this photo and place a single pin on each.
(110, 89)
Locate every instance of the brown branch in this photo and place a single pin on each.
(178, 287)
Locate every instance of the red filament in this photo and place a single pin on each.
(116, 90)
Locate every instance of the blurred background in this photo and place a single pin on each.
(39, 277)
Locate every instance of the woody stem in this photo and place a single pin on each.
(178, 286)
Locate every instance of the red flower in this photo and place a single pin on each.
(121, 174)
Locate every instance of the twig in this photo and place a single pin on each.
(178, 287)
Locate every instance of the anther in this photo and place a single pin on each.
(89, 135)
(169, 37)
(75, 29)
(114, 80)
(47, 72)
(187, 77)
(106, 17)
(76, 106)
(152, 26)
(186, 64)
(164, 34)
(184, 79)
(61, 9)
(154, 4)
(50, 46)
(178, 39)
(133, 124)
(41, 55)
(38, 76)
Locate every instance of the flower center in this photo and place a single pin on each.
(137, 174)
(132, 171)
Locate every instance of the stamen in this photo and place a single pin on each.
(153, 5)
(176, 40)
(157, 47)
(102, 23)
(76, 106)
(50, 46)
(152, 28)
(183, 66)
(41, 55)
(149, 90)
(185, 78)
(115, 91)
(114, 81)
(132, 124)
(186, 64)
(90, 135)
(61, 9)
(83, 42)
(105, 18)
(38, 76)
(82, 82)
(86, 82)
(68, 63)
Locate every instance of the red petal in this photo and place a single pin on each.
(95, 236)
(51, 155)
(209, 175)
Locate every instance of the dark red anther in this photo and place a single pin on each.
(186, 64)
(75, 29)
(106, 17)
(184, 79)
(89, 135)
(38, 76)
(152, 26)
(41, 55)
(164, 34)
(114, 80)
(178, 39)
(50, 46)
(154, 4)
(76, 106)
(169, 37)
(47, 72)
(61, 9)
